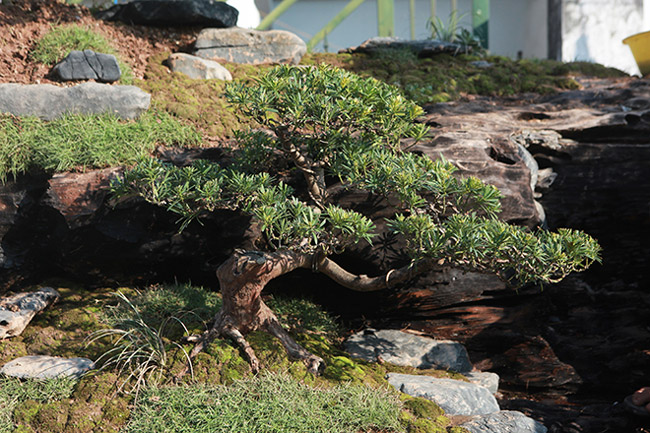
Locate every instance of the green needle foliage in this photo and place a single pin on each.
(330, 123)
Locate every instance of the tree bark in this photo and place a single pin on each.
(243, 277)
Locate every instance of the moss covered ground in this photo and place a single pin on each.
(101, 401)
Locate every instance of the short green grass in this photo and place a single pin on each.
(267, 403)
(14, 391)
(61, 39)
(85, 141)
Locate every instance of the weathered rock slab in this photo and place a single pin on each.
(505, 421)
(88, 65)
(78, 196)
(455, 397)
(403, 348)
(18, 310)
(51, 102)
(422, 47)
(46, 367)
(484, 378)
(197, 67)
(171, 13)
(253, 47)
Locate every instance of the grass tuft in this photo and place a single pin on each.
(60, 40)
(267, 403)
(15, 391)
(139, 350)
(82, 141)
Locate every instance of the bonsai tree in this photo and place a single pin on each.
(333, 126)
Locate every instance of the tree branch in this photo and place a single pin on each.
(364, 283)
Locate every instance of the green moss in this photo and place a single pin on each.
(200, 102)
(444, 77)
(423, 408)
(26, 412)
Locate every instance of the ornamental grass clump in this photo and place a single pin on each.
(333, 126)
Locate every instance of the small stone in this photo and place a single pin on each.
(481, 64)
(18, 310)
(252, 47)
(198, 68)
(505, 421)
(88, 65)
(455, 397)
(402, 348)
(46, 367)
(484, 378)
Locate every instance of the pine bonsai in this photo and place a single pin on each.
(332, 125)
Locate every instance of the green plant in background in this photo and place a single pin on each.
(453, 32)
(139, 350)
(445, 32)
(85, 141)
(331, 124)
(61, 39)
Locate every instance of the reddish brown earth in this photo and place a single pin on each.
(25, 21)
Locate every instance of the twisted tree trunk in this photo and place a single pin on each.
(243, 277)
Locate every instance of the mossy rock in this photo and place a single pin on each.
(94, 406)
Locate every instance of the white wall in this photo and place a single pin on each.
(515, 25)
(593, 30)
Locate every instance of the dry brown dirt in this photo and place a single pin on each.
(24, 22)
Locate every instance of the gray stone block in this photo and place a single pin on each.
(455, 397)
(50, 102)
(402, 348)
(253, 47)
(46, 367)
(506, 421)
(197, 67)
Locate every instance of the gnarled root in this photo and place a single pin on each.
(242, 278)
(315, 364)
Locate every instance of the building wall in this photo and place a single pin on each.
(593, 30)
(515, 25)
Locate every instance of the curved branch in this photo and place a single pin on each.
(364, 283)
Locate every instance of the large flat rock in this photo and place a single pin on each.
(455, 397)
(252, 47)
(403, 348)
(51, 102)
(172, 13)
(46, 367)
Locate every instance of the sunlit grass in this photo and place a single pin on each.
(85, 141)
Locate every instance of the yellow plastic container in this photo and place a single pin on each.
(640, 46)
